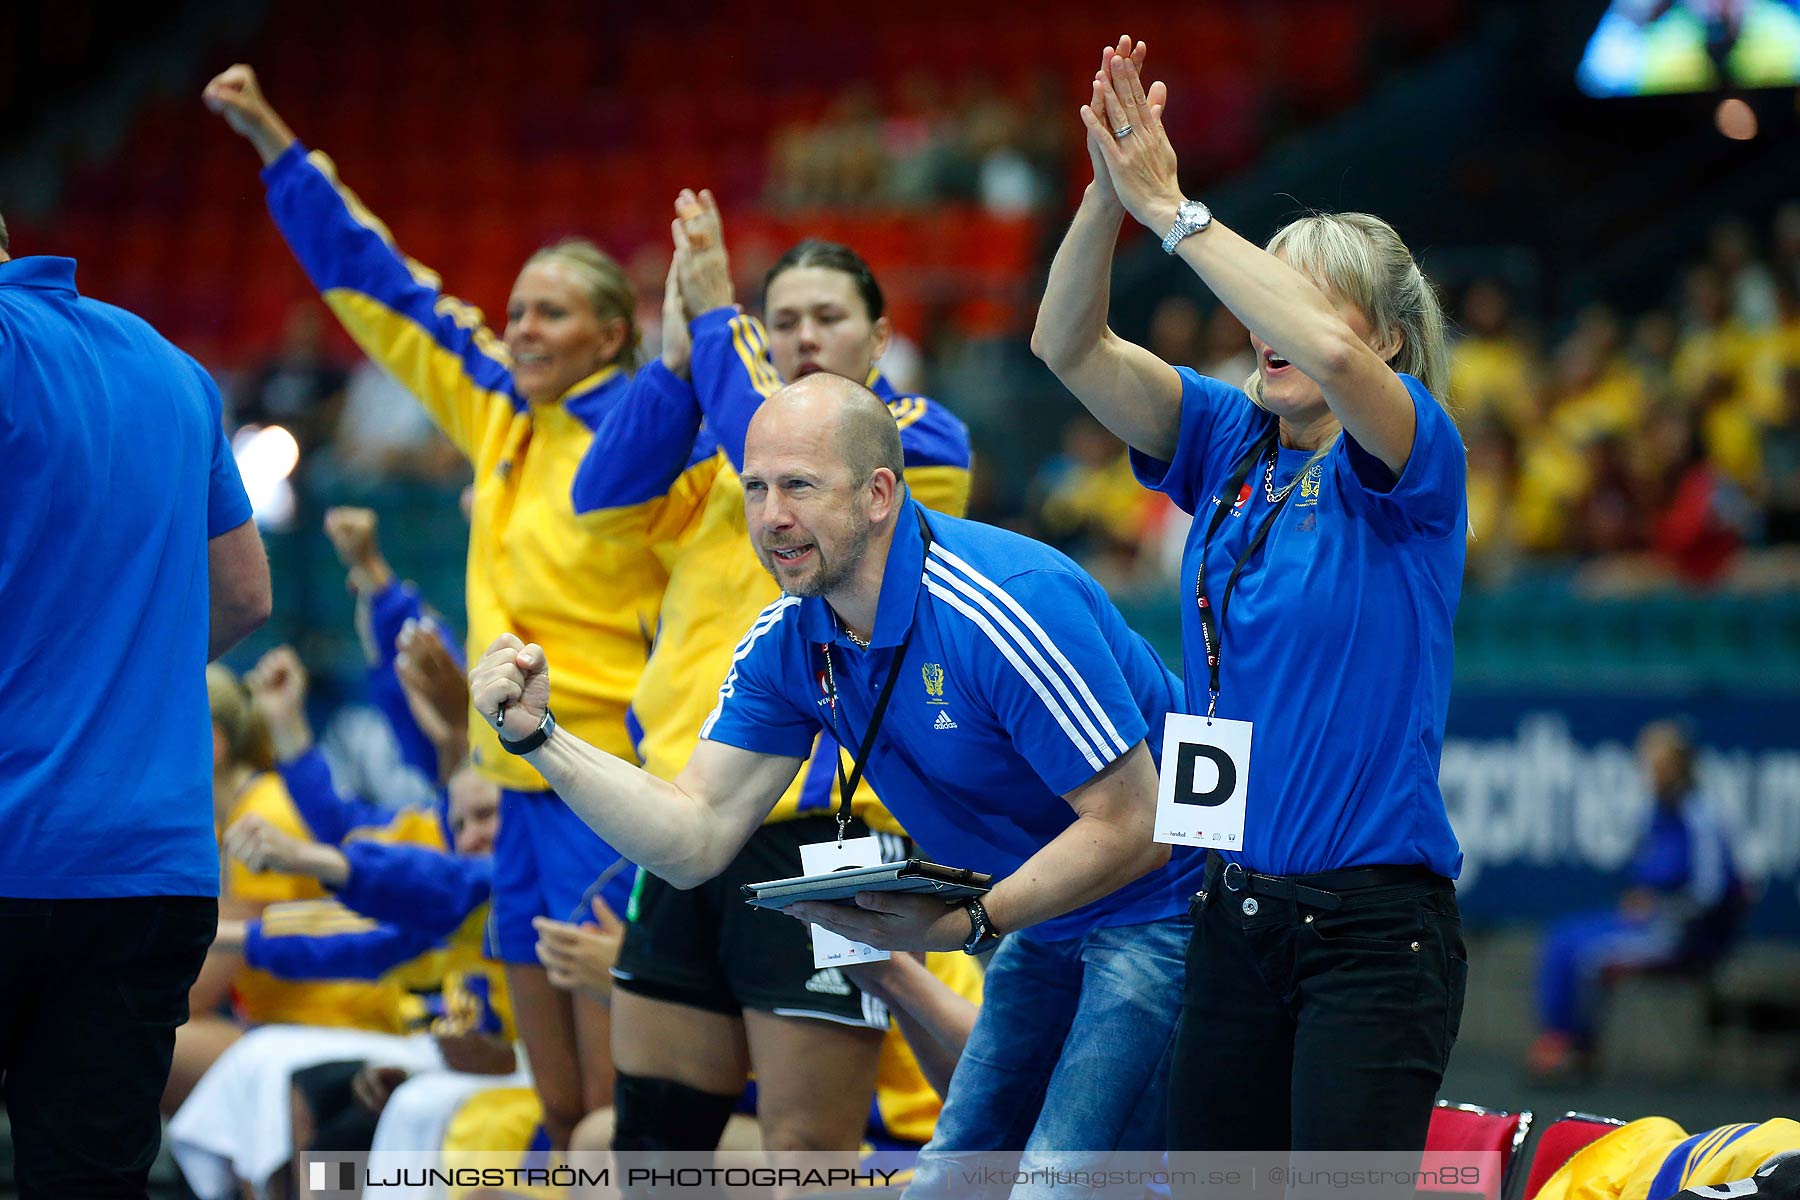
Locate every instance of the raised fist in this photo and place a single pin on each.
(278, 686)
(509, 686)
(235, 95)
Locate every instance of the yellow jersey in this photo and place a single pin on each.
(1653, 1156)
(585, 587)
(261, 998)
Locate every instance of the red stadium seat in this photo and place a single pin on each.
(1469, 1127)
(1554, 1145)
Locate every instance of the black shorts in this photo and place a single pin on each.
(707, 949)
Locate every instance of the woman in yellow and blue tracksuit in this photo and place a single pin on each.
(523, 407)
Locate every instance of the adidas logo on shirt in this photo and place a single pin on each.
(944, 721)
(829, 982)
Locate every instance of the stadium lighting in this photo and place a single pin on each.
(266, 457)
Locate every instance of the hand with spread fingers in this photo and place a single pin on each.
(700, 253)
(1125, 128)
(890, 921)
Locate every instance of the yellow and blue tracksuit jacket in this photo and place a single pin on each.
(716, 583)
(262, 998)
(585, 587)
(388, 611)
(1653, 1158)
(407, 916)
(331, 818)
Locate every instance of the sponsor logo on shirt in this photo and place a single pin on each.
(943, 721)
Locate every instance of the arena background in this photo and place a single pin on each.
(1583, 244)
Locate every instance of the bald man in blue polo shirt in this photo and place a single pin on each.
(1013, 743)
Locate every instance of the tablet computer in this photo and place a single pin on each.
(913, 875)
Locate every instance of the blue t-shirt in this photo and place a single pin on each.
(1020, 684)
(1336, 642)
(117, 473)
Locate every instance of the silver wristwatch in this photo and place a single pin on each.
(1190, 218)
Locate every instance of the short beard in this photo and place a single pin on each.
(834, 575)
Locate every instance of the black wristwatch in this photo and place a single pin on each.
(982, 934)
(532, 740)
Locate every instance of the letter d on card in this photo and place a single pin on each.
(1205, 778)
(834, 949)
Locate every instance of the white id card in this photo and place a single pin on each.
(1205, 778)
(833, 949)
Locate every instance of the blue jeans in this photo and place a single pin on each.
(1070, 1056)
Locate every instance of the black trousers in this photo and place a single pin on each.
(1310, 1028)
(91, 992)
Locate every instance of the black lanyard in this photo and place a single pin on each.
(1210, 628)
(847, 783)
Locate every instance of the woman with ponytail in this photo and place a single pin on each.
(1326, 973)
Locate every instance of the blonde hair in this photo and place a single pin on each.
(1359, 258)
(246, 735)
(605, 284)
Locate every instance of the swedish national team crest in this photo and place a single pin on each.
(1309, 486)
(934, 682)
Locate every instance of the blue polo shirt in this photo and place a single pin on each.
(117, 473)
(1020, 684)
(1336, 643)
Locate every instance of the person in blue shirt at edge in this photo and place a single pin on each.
(128, 560)
(1682, 911)
(1326, 977)
(708, 988)
(1013, 743)
(521, 405)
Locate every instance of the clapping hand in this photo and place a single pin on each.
(1125, 132)
(704, 267)
(1096, 153)
(677, 342)
(436, 691)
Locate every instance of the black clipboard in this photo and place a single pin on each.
(913, 875)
